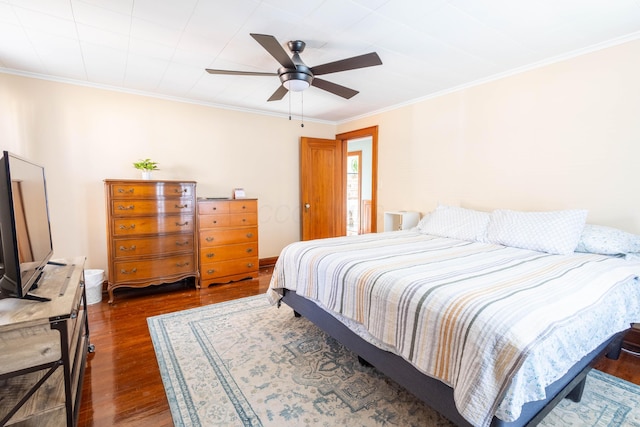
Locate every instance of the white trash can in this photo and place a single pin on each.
(93, 283)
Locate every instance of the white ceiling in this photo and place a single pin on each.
(161, 47)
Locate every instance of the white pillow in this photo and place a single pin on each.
(456, 223)
(599, 239)
(555, 232)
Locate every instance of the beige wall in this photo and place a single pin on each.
(563, 136)
(83, 135)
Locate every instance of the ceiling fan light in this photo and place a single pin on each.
(295, 85)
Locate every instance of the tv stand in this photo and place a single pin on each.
(43, 350)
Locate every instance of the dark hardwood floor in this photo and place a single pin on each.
(122, 385)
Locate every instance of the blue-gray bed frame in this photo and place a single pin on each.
(435, 393)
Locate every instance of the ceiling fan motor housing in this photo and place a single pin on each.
(297, 79)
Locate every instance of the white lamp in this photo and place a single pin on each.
(296, 85)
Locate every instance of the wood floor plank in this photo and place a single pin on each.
(122, 385)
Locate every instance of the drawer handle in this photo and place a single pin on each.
(211, 271)
(122, 190)
(209, 239)
(126, 208)
(131, 248)
(244, 219)
(180, 190)
(127, 227)
(182, 243)
(215, 208)
(250, 265)
(186, 205)
(183, 224)
(244, 207)
(215, 221)
(182, 264)
(133, 270)
(249, 250)
(210, 255)
(249, 235)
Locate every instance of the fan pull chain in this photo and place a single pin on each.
(302, 109)
(289, 106)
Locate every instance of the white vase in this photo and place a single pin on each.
(146, 174)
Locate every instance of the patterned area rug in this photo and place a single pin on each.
(246, 363)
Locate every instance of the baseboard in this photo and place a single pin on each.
(632, 340)
(268, 262)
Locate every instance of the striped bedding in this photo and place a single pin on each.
(497, 324)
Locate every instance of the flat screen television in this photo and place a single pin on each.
(25, 230)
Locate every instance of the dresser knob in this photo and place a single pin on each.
(182, 206)
(249, 235)
(127, 227)
(211, 271)
(210, 255)
(250, 265)
(182, 224)
(126, 208)
(185, 243)
(209, 239)
(131, 248)
(133, 270)
(182, 264)
(249, 250)
(122, 190)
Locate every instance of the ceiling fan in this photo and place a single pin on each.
(296, 76)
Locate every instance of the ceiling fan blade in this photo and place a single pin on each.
(362, 61)
(278, 94)
(334, 88)
(272, 46)
(238, 73)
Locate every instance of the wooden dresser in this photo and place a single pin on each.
(151, 232)
(228, 240)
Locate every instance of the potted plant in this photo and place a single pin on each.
(146, 166)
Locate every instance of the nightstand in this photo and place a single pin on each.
(400, 220)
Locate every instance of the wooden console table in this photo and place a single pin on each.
(43, 350)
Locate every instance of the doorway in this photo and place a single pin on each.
(361, 180)
(323, 185)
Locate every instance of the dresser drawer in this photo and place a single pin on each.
(143, 246)
(214, 220)
(153, 225)
(136, 207)
(131, 271)
(229, 268)
(216, 237)
(242, 206)
(208, 207)
(227, 252)
(244, 219)
(152, 189)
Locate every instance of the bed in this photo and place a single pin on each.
(468, 311)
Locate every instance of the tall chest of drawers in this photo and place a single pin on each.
(151, 232)
(228, 240)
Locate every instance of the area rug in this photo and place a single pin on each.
(247, 363)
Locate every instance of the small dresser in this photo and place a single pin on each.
(228, 240)
(151, 232)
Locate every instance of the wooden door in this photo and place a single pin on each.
(322, 188)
